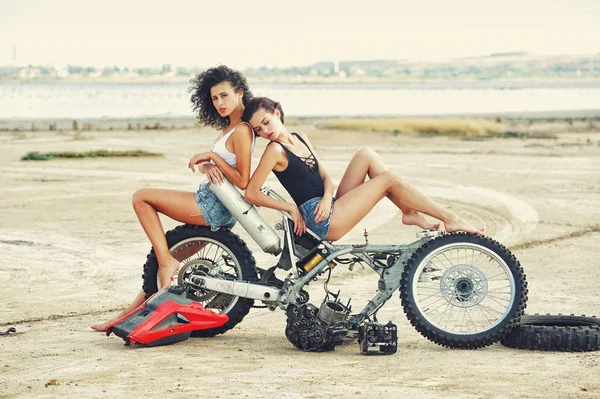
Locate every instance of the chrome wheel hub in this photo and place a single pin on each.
(464, 286)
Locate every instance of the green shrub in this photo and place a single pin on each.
(39, 156)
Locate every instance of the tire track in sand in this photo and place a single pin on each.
(33, 370)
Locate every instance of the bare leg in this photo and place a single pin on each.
(178, 205)
(350, 208)
(137, 301)
(367, 162)
(417, 200)
(353, 205)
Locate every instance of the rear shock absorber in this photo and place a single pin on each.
(313, 259)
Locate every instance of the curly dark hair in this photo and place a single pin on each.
(201, 98)
(261, 102)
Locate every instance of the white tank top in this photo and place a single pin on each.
(220, 149)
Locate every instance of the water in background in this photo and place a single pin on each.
(131, 100)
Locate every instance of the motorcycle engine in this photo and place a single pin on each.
(316, 330)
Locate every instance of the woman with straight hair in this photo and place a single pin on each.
(294, 162)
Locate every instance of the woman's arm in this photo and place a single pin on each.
(242, 147)
(271, 157)
(240, 175)
(324, 206)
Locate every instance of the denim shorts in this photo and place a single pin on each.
(308, 213)
(213, 210)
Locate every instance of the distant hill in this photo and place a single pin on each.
(496, 66)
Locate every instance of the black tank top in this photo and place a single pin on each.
(300, 180)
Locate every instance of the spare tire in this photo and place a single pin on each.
(555, 333)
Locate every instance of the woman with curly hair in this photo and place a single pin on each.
(219, 96)
(296, 165)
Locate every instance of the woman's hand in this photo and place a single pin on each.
(213, 173)
(199, 158)
(299, 224)
(322, 210)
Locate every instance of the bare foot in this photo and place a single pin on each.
(137, 301)
(459, 224)
(102, 327)
(414, 218)
(167, 272)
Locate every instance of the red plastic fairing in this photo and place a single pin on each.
(197, 316)
(142, 306)
(165, 318)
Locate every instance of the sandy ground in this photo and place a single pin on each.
(71, 253)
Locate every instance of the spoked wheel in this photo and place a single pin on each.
(463, 290)
(201, 251)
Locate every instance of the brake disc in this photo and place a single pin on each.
(464, 286)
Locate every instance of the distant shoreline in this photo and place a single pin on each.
(509, 83)
(169, 122)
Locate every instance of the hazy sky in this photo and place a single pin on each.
(288, 32)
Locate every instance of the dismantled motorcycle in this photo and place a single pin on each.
(459, 290)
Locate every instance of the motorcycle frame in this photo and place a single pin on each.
(291, 292)
(389, 276)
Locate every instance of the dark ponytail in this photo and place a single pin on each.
(261, 102)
